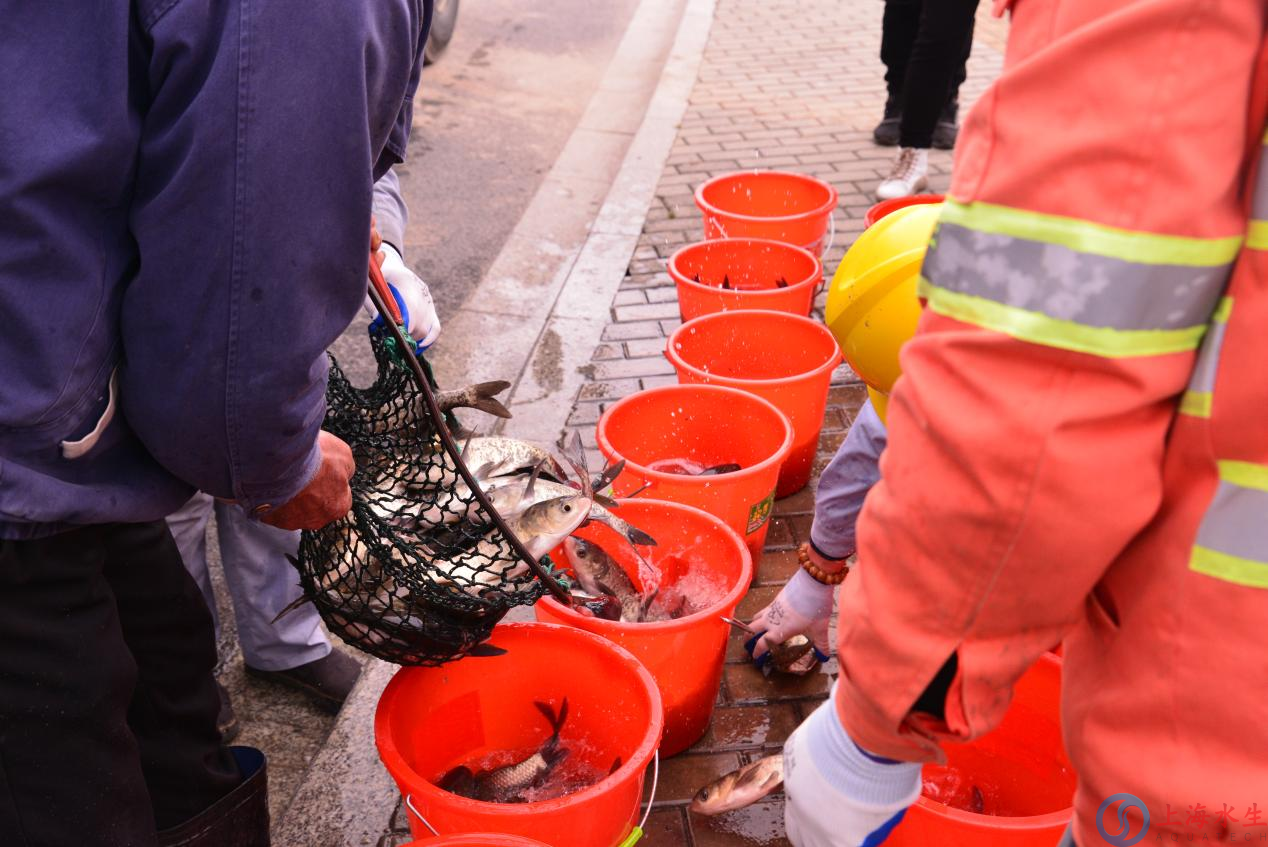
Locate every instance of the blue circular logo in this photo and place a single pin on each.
(1121, 836)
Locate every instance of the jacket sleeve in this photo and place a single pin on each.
(1094, 213)
(391, 215)
(844, 484)
(264, 126)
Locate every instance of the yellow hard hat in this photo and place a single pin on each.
(872, 305)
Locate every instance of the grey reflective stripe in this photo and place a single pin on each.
(1236, 524)
(1203, 379)
(1259, 207)
(1061, 283)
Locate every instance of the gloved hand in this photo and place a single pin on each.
(327, 496)
(837, 795)
(803, 607)
(412, 298)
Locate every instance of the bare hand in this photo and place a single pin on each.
(327, 496)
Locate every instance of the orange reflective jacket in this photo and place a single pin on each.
(1079, 443)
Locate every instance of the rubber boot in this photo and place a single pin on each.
(239, 819)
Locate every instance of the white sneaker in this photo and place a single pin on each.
(910, 175)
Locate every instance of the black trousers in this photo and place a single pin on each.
(925, 45)
(107, 696)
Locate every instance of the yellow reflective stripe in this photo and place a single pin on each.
(1054, 332)
(1196, 404)
(1146, 248)
(1257, 235)
(1245, 475)
(1223, 311)
(1233, 569)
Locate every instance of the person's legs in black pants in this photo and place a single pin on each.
(936, 62)
(107, 701)
(899, 26)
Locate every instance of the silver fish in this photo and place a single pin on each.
(795, 656)
(508, 784)
(540, 528)
(511, 495)
(509, 456)
(740, 788)
(600, 574)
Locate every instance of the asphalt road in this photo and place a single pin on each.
(490, 118)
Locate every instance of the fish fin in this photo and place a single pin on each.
(532, 482)
(725, 467)
(486, 651)
(609, 475)
(638, 490)
(637, 536)
(647, 603)
(606, 502)
(616, 766)
(486, 398)
(726, 281)
(291, 606)
(466, 444)
(556, 721)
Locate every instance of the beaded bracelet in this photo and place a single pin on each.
(817, 573)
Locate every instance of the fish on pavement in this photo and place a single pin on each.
(740, 788)
(508, 784)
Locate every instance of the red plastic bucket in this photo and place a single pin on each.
(753, 268)
(481, 839)
(789, 207)
(1021, 769)
(430, 720)
(686, 655)
(711, 425)
(884, 207)
(786, 359)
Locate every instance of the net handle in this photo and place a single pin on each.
(380, 296)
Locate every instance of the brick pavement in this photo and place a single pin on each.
(791, 85)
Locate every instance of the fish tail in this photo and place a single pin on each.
(556, 721)
(484, 398)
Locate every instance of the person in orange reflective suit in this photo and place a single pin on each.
(1079, 443)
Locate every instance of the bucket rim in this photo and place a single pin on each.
(397, 767)
(733, 595)
(774, 460)
(882, 208)
(681, 278)
(677, 360)
(710, 209)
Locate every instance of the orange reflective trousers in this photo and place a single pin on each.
(1079, 444)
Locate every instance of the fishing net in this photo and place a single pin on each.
(421, 570)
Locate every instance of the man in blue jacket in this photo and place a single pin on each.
(184, 221)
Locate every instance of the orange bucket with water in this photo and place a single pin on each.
(481, 711)
(884, 207)
(789, 207)
(480, 840)
(1018, 775)
(707, 426)
(696, 555)
(786, 359)
(752, 270)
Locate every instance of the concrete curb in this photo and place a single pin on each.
(544, 393)
(496, 330)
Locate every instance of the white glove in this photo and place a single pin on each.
(837, 795)
(412, 298)
(803, 607)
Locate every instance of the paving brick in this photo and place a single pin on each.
(683, 775)
(646, 312)
(632, 329)
(645, 347)
(776, 567)
(746, 684)
(623, 368)
(630, 298)
(759, 825)
(608, 351)
(748, 727)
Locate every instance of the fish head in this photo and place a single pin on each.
(707, 798)
(544, 525)
(579, 551)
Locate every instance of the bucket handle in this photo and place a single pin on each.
(634, 837)
(832, 237)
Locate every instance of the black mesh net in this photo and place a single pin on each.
(417, 573)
